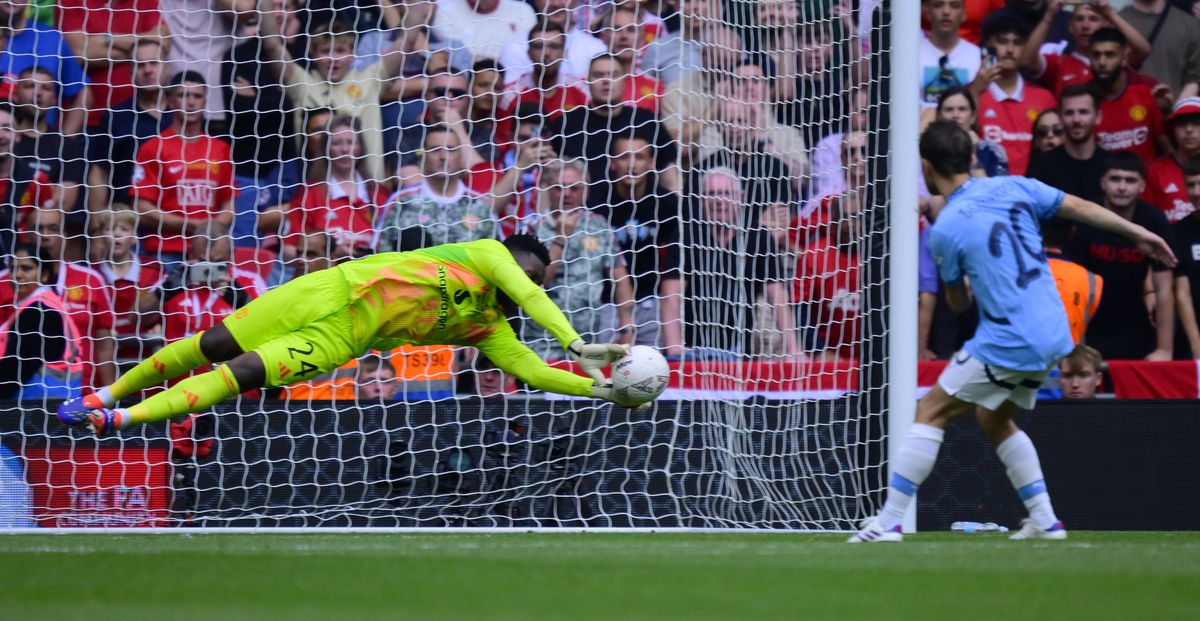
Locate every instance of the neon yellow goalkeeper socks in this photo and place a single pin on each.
(190, 395)
(167, 363)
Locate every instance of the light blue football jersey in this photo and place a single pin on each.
(989, 231)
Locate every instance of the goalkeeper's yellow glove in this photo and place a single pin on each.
(605, 391)
(593, 358)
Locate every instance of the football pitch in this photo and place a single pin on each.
(597, 576)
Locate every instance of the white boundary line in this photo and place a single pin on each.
(472, 530)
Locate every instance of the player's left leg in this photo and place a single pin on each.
(318, 348)
(913, 463)
(1020, 459)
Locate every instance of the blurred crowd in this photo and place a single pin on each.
(697, 168)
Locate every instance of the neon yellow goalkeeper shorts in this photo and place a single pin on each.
(300, 329)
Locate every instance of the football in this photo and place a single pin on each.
(641, 375)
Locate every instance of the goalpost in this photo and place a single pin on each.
(775, 248)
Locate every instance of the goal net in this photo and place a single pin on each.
(708, 178)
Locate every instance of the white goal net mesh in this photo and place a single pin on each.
(707, 175)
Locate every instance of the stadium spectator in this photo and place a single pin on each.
(1165, 184)
(208, 287)
(1076, 166)
(1048, 131)
(766, 179)
(827, 280)
(112, 145)
(1058, 68)
(828, 174)
(54, 156)
(546, 84)
(1031, 12)
(343, 202)
(729, 273)
(27, 43)
(314, 252)
(331, 82)
(374, 380)
(19, 186)
(511, 185)
(488, 133)
(447, 102)
(777, 34)
(1174, 38)
(975, 13)
(1122, 328)
(814, 222)
(644, 216)
(667, 58)
(1081, 373)
(585, 261)
(85, 297)
(1007, 103)
(621, 31)
(135, 282)
(946, 59)
(1129, 116)
(590, 132)
(202, 31)
(103, 34)
(491, 382)
(1080, 289)
(816, 99)
(956, 104)
(38, 342)
(687, 106)
(311, 142)
(579, 46)
(487, 28)
(442, 209)
(928, 286)
(183, 177)
(1187, 237)
(261, 123)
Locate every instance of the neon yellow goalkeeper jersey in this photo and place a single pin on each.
(446, 295)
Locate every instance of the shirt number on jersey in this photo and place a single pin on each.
(306, 367)
(1000, 231)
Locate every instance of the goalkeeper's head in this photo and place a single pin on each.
(531, 254)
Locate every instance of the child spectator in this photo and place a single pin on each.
(135, 282)
(1165, 184)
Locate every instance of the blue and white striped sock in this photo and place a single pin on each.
(913, 464)
(1025, 472)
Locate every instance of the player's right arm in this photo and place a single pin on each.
(1087, 212)
(512, 356)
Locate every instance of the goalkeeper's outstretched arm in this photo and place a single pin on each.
(513, 357)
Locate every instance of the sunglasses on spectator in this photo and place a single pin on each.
(1053, 130)
(453, 92)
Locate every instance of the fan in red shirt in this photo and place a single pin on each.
(1166, 187)
(622, 32)
(1073, 65)
(1010, 105)
(1130, 119)
(135, 282)
(343, 202)
(547, 85)
(104, 32)
(827, 281)
(210, 286)
(183, 177)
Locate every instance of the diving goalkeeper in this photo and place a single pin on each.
(454, 294)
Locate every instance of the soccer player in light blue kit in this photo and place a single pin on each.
(987, 244)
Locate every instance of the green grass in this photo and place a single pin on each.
(597, 576)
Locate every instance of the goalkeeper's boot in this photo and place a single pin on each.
(872, 533)
(1029, 530)
(76, 410)
(104, 421)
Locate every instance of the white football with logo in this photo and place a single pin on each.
(641, 376)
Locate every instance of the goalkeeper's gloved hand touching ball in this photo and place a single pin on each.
(592, 358)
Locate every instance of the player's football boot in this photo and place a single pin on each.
(76, 410)
(872, 533)
(1029, 530)
(104, 421)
